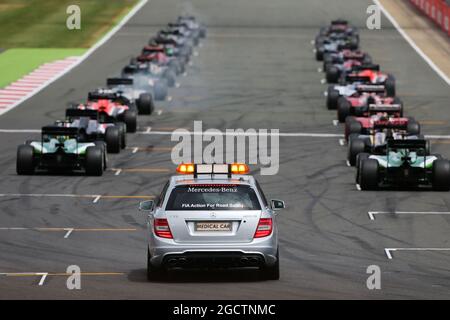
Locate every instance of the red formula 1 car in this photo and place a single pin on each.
(358, 103)
(157, 54)
(112, 107)
(370, 74)
(380, 116)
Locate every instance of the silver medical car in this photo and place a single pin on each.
(214, 216)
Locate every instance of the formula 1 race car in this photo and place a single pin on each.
(170, 65)
(370, 74)
(112, 107)
(148, 77)
(405, 163)
(135, 94)
(379, 115)
(358, 103)
(91, 129)
(377, 131)
(335, 43)
(338, 26)
(340, 57)
(58, 150)
(189, 22)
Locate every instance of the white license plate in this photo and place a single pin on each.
(213, 226)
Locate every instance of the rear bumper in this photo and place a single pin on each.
(258, 253)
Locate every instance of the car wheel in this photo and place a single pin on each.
(170, 77)
(145, 103)
(272, 272)
(25, 159)
(333, 74)
(154, 273)
(368, 174)
(359, 159)
(343, 109)
(113, 139)
(130, 119)
(355, 147)
(319, 54)
(94, 161)
(441, 175)
(390, 86)
(413, 127)
(123, 134)
(332, 98)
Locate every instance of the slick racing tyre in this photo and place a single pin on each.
(352, 127)
(175, 67)
(354, 43)
(359, 159)
(160, 90)
(368, 174)
(94, 161)
(123, 134)
(390, 86)
(145, 103)
(319, 54)
(413, 127)
(355, 147)
(327, 62)
(400, 102)
(271, 272)
(343, 109)
(130, 119)
(153, 272)
(333, 74)
(113, 139)
(25, 159)
(332, 98)
(441, 175)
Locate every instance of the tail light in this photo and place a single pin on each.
(162, 228)
(264, 228)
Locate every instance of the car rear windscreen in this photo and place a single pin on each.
(213, 197)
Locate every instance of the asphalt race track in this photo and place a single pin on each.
(256, 69)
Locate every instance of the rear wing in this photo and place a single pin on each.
(389, 108)
(96, 95)
(370, 88)
(60, 131)
(367, 66)
(357, 78)
(339, 21)
(407, 144)
(119, 81)
(81, 113)
(386, 124)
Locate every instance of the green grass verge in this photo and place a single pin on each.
(42, 24)
(34, 32)
(15, 63)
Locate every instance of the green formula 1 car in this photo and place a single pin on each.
(60, 150)
(406, 163)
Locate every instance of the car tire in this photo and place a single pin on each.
(359, 159)
(123, 134)
(441, 175)
(94, 161)
(319, 54)
(390, 86)
(333, 74)
(145, 104)
(413, 127)
(271, 272)
(175, 67)
(400, 102)
(130, 119)
(332, 98)
(355, 147)
(352, 126)
(154, 273)
(368, 179)
(25, 159)
(343, 109)
(113, 139)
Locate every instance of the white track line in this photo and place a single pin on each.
(372, 214)
(388, 251)
(412, 43)
(78, 60)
